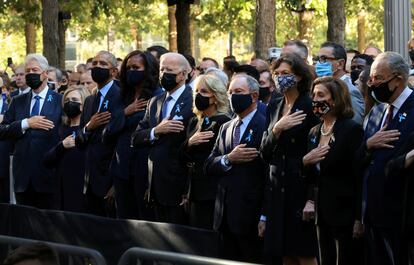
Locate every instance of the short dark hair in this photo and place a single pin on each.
(211, 59)
(89, 60)
(249, 70)
(353, 51)
(338, 50)
(368, 59)
(190, 60)
(37, 251)
(342, 107)
(230, 57)
(300, 44)
(299, 68)
(160, 50)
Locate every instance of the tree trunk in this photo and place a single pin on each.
(62, 43)
(30, 35)
(305, 27)
(182, 15)
(172, 29)
(336, 21)
(361, 30)
(264, 37)
(50, 11)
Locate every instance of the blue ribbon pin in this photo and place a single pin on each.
(207, 120)
(249, 136)
(402, 117)
(49, 98)
(313, 139)
(177, 108)
(106, 104)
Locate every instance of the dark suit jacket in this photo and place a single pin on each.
(99, 144)
(240, 189)
(31, 146)
(383, 197)
(338, 181)
(166, 177)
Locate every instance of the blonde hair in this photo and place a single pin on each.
(215, 86)
(83, 92)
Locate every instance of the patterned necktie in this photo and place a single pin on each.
(165, 107)
(390, 115)
(236, 134)
(36, 107)
(5, 105)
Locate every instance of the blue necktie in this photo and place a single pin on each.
(36, 107)
(165, 107)
(5, 105)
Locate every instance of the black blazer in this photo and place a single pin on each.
(201, 186)
(31, 146)
(338, 180)
(384, 197)
(99, 144)
(240, 189)
(166, 176)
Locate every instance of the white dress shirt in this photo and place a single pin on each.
(42, 95)
(397, 104)
(24, 91)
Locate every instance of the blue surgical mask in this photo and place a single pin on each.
(323, 69)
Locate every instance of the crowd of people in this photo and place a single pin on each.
(291, 162)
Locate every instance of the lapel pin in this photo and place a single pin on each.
(49, 98)
(177, 108)
(207, 120)
(313, 140)
(105, 105)
(249, 136)
(402, 117)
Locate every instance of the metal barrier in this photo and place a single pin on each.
(95, 256)
(131, 255)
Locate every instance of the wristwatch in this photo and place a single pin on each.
(226, 160)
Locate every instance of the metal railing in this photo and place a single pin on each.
(131, 256)
(95, 256)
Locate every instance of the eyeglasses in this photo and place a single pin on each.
(323, 58)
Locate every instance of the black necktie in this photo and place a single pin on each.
(97, 101)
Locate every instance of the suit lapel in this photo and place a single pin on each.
(27, 108)
(179, 104)
(229, 136)
(250, 133)
(47, 104)
(160, 102)
(374, 120)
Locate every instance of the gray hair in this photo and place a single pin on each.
(58, 72)
(219, 74)
(252, 83)
(395, 62)
(183, 64)
(111, 58)
(40, 59)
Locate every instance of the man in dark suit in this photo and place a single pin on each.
(163, 129)
(97, 121)
(20, 82)
(235, 157)
(387, 128)
(39, 114)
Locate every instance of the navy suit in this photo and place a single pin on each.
(5, 149)
(29, 173)
(382, 197)
(99, 147)
(166, 177)
(240, 190)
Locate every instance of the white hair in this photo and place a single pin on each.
(183, 64)
(218, 73)
(40, 59)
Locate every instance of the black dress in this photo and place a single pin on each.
(202, 187)
(286, 188)
(70, 170)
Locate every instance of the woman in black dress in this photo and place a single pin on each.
(211, 107)
(65, 157)
(139, 82)
(286, 236)
(330, 164)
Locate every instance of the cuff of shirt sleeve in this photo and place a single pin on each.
(152, 134)
(262, 218)
(25, 125)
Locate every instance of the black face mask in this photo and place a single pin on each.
(168, 81)
(320, 108)
(72, 109)
(355, 75)
(134, 77)
(100, 75)
(264, 92)
(33, 80)
(62, 88)
(382, 92)
(411, 53)
(240, 102)
(201, 102)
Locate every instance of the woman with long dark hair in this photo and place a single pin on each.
(286, 236)
(139, 82)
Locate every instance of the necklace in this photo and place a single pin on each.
(329, 132)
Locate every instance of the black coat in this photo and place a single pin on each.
(338, 182)
(99, 144)
(240, 190)
(31, 146)
(286, 187)
(166, 176)
(201, 186)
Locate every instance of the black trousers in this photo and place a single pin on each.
(170, 214)
(127, 198)
(385, 246)
(41, 200)
(337, 247)
(202, 214)
(4, 190)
